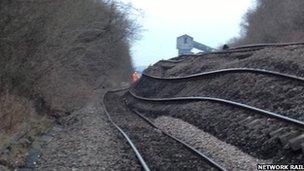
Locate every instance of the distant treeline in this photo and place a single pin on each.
(273, 21)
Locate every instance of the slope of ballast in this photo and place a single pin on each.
(272, 93)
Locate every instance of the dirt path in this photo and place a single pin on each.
(90, 142)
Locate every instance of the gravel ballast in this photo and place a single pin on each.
(288, 59)
(158, 150)
(89, 142)
(229, 123)
(246, 130)
(229, 156)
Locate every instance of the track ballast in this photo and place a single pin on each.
(159, 150)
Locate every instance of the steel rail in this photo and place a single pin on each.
(144, 165)
(211, 53)
(137, 153)
(172, 60)
(228, 70)
(209, 160)
(219, 100)
(222, 52)
(245, 48)
(267, 45)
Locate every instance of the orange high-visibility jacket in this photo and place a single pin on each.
(135, 76)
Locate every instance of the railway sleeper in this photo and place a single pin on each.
(167, 66)
(277, 132)
(253, 124)
(284, 139)
(246, 120)
(296, 143)
(287, 137)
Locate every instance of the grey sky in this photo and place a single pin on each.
(211, 22)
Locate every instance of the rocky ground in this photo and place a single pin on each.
(89, 142)
(288, 59)
(231, 124)
(227, 155)
(158, 150)
(271, 93)
(54, 55)
(235, 137)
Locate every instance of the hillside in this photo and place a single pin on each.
(56, 56)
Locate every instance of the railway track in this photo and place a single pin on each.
(246, 48)
(228, 102)
(294, 140)
(194, 80)
(289, 138)
(229, 70)
(137, 153)
(219, 52)
(155, 149)
(268, 45)
(290, 134)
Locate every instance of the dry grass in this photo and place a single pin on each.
(19, 123)
(13, 111)
(17, 115)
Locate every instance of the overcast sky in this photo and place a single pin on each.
(211, 22)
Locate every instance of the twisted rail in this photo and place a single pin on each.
(267, 45)
(244, 48)
(209, 160)
(212, 99)
(228, 70)
(137, 153)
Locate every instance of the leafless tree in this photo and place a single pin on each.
(273, 21)
(60, 50)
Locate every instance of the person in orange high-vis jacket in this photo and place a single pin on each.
(135, 76)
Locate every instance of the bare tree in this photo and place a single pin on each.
(273, 21)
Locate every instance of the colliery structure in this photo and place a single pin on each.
(186, 43)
